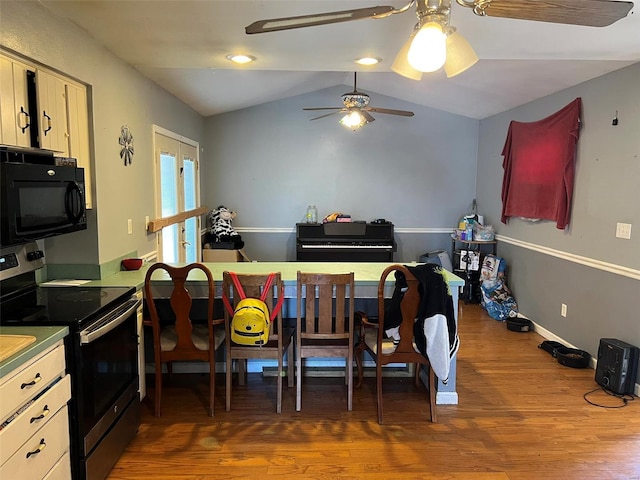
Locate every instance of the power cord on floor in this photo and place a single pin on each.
(626, 398)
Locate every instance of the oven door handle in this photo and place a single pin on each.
(91, 334)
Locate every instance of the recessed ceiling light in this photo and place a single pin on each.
(241, 58)
(367, 61)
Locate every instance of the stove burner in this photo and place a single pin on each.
(89, 295)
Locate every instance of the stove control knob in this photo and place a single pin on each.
(35, 255)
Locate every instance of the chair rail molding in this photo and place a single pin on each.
(571, 257)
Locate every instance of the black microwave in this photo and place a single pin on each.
(42, 196)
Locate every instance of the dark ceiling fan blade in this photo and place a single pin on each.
(324, 108)
(593, 13)
(325, 115)
(390, 111)
(287, 23)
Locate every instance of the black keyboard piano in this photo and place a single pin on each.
(345, 242)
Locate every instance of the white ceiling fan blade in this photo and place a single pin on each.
(287, 23)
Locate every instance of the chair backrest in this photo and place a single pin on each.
(180, 302)
(409, 307)
(328, 303)
(253, 286)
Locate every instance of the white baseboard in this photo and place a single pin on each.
(548, 335)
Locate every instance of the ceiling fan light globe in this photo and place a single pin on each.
(460, 55)
(353, 120)
(428, 51)
(401, 65)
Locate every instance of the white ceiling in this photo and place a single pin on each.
(181, 45)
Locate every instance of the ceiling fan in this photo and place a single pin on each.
(356, 109)
(434, 43)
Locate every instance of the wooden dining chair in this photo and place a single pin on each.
(175, 336)
(385, 351)
(280, 340)
(324, 326)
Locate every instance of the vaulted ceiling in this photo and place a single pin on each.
(182, 45)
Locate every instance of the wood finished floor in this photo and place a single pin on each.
(520, 416)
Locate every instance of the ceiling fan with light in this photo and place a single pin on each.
(356, 109)
(434, 43)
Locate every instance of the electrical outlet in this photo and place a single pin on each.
(563, 310)
(623, 230)
(129, 226)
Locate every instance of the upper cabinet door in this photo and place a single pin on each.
(78, 128)
(52, 106)
(15, 117)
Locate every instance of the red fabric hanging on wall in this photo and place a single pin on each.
(539, 166)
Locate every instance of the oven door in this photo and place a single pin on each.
(106, 371)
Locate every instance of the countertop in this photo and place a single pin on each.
(366, 274)
(45, 337)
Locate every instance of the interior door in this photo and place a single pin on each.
(177, 184)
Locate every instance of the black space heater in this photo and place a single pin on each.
(617, 366)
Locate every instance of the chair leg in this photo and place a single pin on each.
(432, 395)
(228, 371)
(416, 377)
(158, 392)
(298, 381)
(279, 385)
(212, 384)
(358, 355)
(379, 390)
(242, 371)
(290, 365)
(350, 381)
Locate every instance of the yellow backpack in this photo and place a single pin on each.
(251, 320)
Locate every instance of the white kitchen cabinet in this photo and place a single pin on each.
(60, 112)
(15, 117)
(53, 131)
(34, 435)
(78, 128)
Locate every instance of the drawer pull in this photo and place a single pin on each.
(37, 450)
(35, 380)
(45, 412)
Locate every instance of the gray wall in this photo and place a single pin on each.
(585, 267)
(121, 96)
(269, 162)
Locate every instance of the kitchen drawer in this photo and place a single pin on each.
(30, 420)
(40, 453)
(61, 470)
(18, 388)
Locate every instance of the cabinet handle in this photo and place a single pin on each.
(41, 447)
(45, 412)
(35, 380)
(48, 118)
(27, 124)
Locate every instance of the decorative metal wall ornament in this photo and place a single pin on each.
(126, 140)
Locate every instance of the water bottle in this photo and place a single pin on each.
(314, 214)
(309, 214)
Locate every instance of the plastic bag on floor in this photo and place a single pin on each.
(497, 299)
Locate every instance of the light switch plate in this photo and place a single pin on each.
(623, 230)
